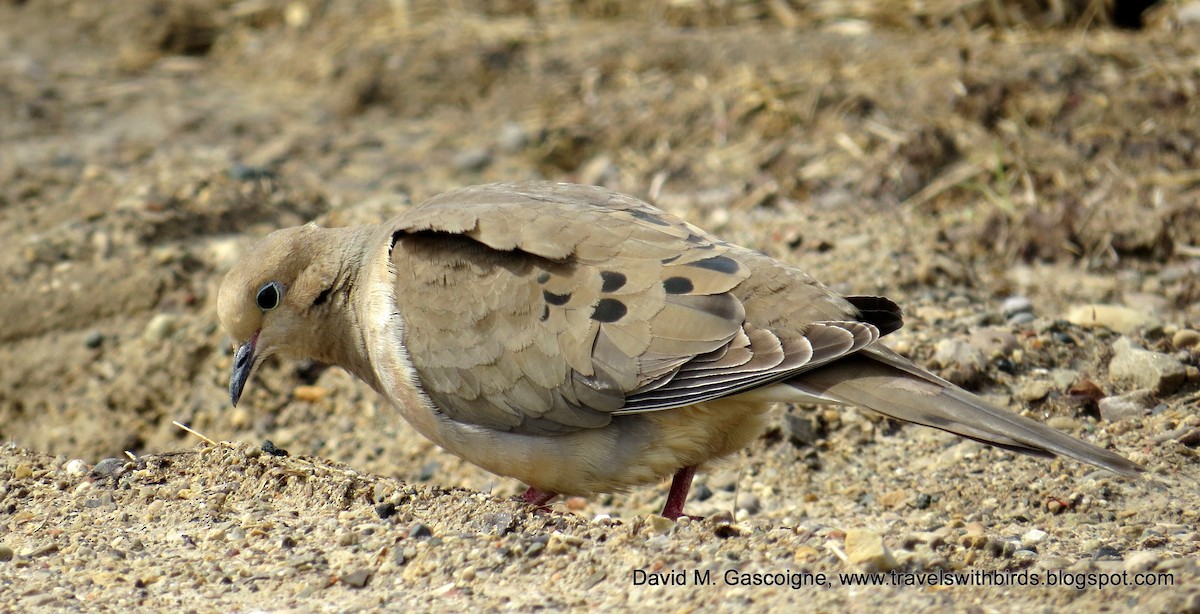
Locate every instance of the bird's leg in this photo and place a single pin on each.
(679, 492)
(538, 498)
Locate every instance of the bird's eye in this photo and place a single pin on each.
(268, 296)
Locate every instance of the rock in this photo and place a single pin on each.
(1136, 368)
(1063, 423)
(93, 340)
(1186, 338)
(76, 468)
(309, 394)
(245, 172)
(1140, 561)
(1016, 304)
(993, 342)
(1188, 13)
(1017, 310)
(472, 160)
(357, 579)
(109, 467)
(866, 548)
(748, 501)
(6, 553)
(1035, 390)
(1113, 317)
(159, 328)
(1018, 319)
(222, 253)
(960, 362)
(1128, 405)
(600, 170)
(660, 525)
(512, 138)
(1051, 563)
(1033, 537)
(802, 428)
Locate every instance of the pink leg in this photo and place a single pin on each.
(679, 492)
(538, 498)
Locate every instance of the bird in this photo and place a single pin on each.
(583, 341)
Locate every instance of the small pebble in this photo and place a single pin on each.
(1141, 561)
(419, 530)
(1113, 317)
(1050, 563)
(472, 160)
(1017, 310)
(428, 470)
(1137, 368)
(160, 327)
(1018, 319)
(76, 468)
(866, 548)
(242, 172)
(309, 394)
(1129, 405)
(960, 362)
(269, 447)
(748, 501)
(1033, 537)
(660, 525)
(93, 340)
(1024, 555)
(994, 342)
(802, 428)
(357, 579)
(512, 138)
(1035, 390)
(6, 553)
(500, 523)
(109, 467)
(1185, 338)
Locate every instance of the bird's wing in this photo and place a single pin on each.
(542, 308)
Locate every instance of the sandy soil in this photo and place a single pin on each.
(950, 159)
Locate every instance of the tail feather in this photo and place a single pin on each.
(881, 380)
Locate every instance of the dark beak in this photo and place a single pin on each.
(243, 363)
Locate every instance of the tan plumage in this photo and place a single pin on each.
(582, 341)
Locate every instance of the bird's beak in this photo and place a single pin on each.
(243, 364)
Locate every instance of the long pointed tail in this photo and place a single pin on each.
(881, 380)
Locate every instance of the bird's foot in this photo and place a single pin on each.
(538, 498)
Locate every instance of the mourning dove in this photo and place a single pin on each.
(582, 341)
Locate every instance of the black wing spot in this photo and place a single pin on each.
(882, 312)
(613, 281)
(720, 264)
(543, 277)
(556, 299)
(545, 313)
(646, 216)
(678, 285)
(609, 310)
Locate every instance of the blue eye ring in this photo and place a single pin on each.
(269, 296)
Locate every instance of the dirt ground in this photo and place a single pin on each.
(951, 156)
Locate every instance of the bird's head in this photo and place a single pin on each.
(276, 297)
